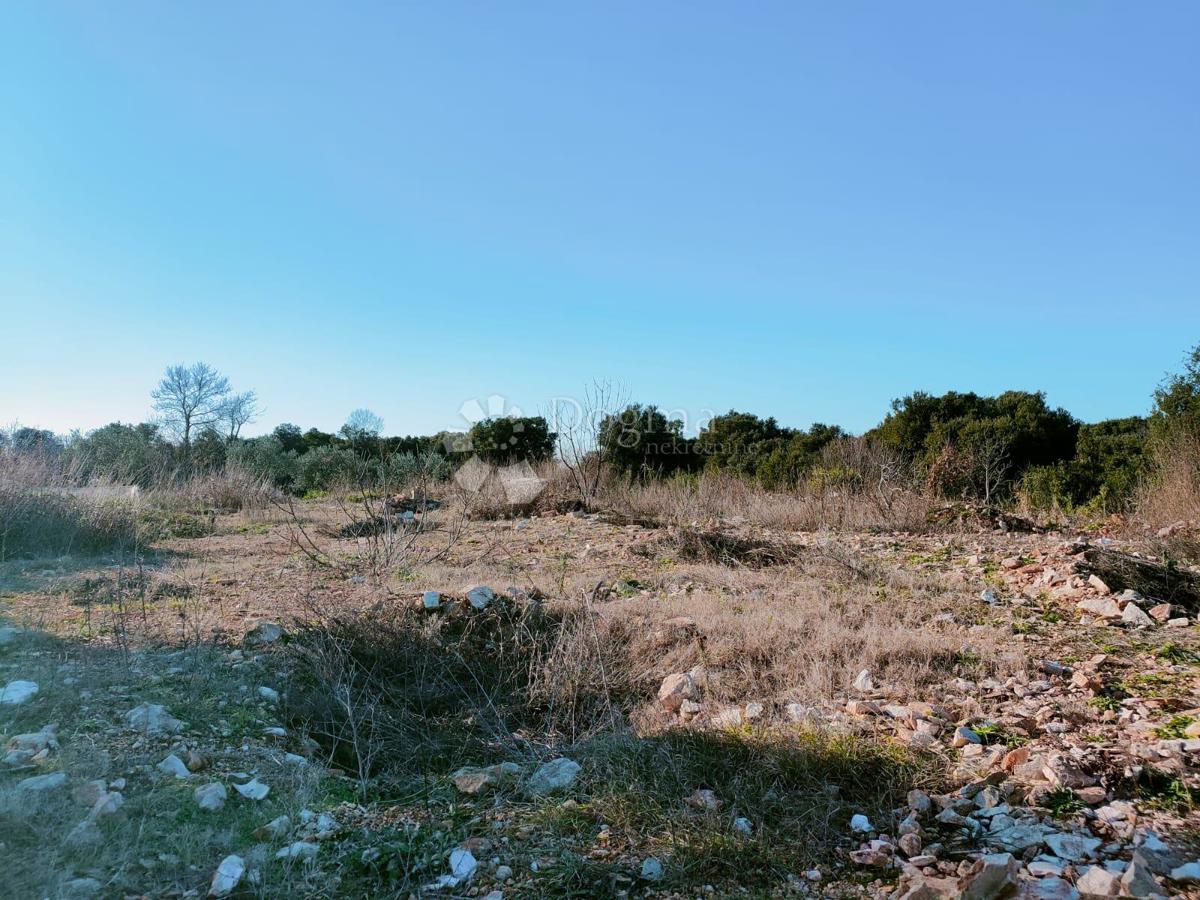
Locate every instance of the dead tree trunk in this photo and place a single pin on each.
(1162, 581)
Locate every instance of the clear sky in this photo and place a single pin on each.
(796, 209)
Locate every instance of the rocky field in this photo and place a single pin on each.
(577, 705)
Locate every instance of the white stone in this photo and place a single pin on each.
(152, 718)
(1040, 868)
(860, 824)
(1137, 617)
(269, 694)
(480, 597)
(652, 869)
(863, 682)
(964, 736)
(1049, 888)
(462, 866)
(1102, 607)
(675, 689)
(173, 765)
(39, 783)
(992, 876)
(253, 789)
(228, 876)
(1099, 881)
(551, 777)
(431, 600)
(210, 797)
(1188, 873)
(1072, 847)
(108, 803)
(298, 850)
(17, 692)
(276, 828)
(264, 633)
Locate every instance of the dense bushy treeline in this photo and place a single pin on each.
(956, 445)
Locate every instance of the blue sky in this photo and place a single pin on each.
(797, 209)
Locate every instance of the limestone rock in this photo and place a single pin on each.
(41, 783)
(552, 777)
(152, 718)
(1072, 847)
(227, 877)
(1136, 617)
(298, 850)
(1138, 880)
(210, 797)
(1100, 882)
(480, 597)
(264, 633)
(675, 689)
(253, 789)
(173, 765)
(992, 876)
(17, 692)
(480, 780)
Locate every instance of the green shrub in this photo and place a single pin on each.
(642, 441)
(508, 439)
(401, 470)
(970, 445)
(267, 458)
(323, 467)
(122, 454)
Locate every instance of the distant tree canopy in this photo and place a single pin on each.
(31, 440)
(507, 439)
(1177, 400)
(958, 445)
(744, 444)
(642, 441)
(966, 444)
(1102, 474)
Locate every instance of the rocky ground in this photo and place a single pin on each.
(946, 715)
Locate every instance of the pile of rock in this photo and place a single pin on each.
(981, 842)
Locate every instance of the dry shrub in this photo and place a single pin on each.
(811, 507)
(46, 523)
(777, 635)
(1170, 495)
(403, 691)
(230, 490)
(700, 545)
(39, 516)
(546, 487)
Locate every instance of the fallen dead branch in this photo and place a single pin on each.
(1164, 581)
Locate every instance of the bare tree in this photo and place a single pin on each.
(578, 423)
(991, 462)
(361, 424)
(239, 410)
(190, 398)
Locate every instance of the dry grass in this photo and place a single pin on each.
(1170, 495)
(778, 635)
(714, 498)
(400, 698)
